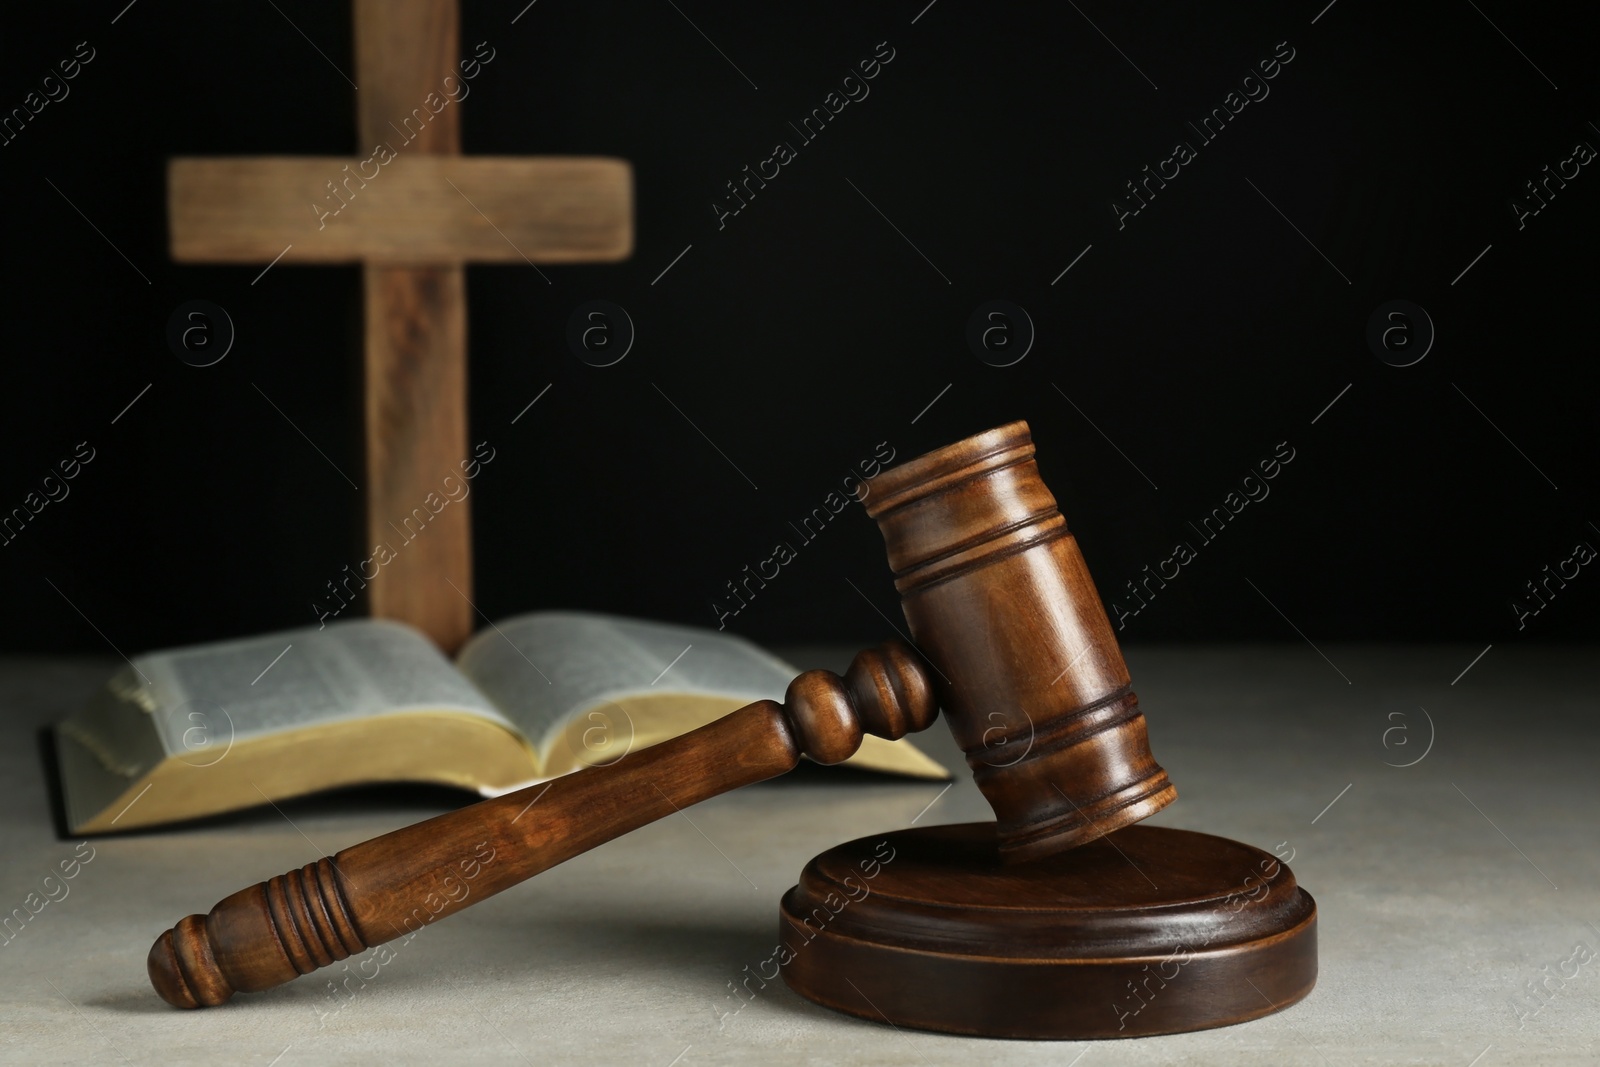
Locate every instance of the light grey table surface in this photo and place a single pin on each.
(1447, 890)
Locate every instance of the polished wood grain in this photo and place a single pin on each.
(1028, 671)
(379, 890)
(412, 223)
(1059, 920)
(1148, 930)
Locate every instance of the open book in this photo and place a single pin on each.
(211, 728)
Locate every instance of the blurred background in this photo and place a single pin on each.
(1166, 351)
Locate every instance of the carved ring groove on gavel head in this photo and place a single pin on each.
(1024, 662)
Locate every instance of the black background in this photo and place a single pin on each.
(808, 330)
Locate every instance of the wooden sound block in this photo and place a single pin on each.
(1148, 930)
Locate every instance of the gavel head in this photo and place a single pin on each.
(1021, 653)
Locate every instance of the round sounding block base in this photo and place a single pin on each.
(1148, 930)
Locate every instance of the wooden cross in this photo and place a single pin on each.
(412, 211)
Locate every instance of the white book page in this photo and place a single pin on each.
(544, 668)
(280, 682)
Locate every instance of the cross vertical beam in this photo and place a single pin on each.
(415, 357)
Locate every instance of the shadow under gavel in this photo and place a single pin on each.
(382, 889)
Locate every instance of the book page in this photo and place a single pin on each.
(541, 669)
(280, 682)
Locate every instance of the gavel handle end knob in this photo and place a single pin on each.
(184, 970)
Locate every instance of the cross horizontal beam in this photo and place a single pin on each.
(433, 210)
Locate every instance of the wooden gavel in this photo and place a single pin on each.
(1014, 645)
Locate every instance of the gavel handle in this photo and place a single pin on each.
(389, 886)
